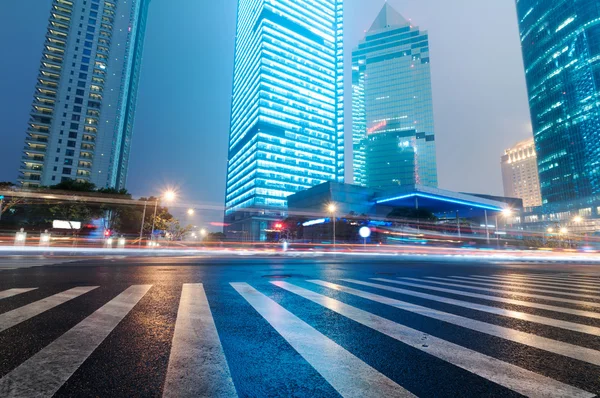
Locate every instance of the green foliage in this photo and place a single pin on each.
(215, 237)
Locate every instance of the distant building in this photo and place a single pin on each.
(392, 117)
(287, 113)
(83, 110)
(561, 51)
(561, 54)
(520, 173)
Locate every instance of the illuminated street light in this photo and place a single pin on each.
(563, 230)
(190, 212)
(170, 195)
(550, 230)
(577, 219)
(203, 232)
(507, 212)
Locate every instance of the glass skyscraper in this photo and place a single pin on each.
(286, 132)
(83, 109)
(392, 115)
(561, 52)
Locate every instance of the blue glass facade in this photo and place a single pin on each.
(561, 52)
(392, 116)
(82, 116)
(286, 130)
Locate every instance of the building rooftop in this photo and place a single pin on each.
(388, 17)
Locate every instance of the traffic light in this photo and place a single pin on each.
(278, 225)
(107, 233)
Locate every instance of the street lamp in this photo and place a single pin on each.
(331, 207)
(169, 196)
(577, 219)
(550, 230)
(190, 212)
(506, 213)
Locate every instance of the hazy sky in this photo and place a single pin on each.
(182, 120)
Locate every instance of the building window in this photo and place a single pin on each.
(66, 170)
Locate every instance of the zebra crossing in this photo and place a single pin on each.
(524, 334)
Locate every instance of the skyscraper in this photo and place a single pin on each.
(392, 115)
(520, 174)
(561, 51)
(83, 109)
(287, 115)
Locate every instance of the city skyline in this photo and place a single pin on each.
(198, 175)
(83, 111)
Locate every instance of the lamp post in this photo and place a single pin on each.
(1, 201)
(169, 196)
(331, 207)
(577, 220)
(143, 219)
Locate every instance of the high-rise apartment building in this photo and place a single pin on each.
(561, 51)
(287, 119)
(520, 173)
(83, 109)
(392, 115)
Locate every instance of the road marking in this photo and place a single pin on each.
(571, 311)
(565, 281)
(44, 373)
(197, 364)
(13, 292)
(499, 285)
(542, 297)
(558, 347)
(533, 289)
(350, 376)
(577, 327)
(21, 314)
(505, 374)
(521, 285)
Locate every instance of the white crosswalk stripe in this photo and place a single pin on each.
(44, 373)
(13, 292)
(534, 283)
(479, 307)
(350, 376)
(557, 347)
(197, 365)
(451, 282)
(515, 378)
(544, 297)
(499, 280)
(200, 363)
(563, 281)
(18, 315)
(523, 284)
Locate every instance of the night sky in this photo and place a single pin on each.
(182, 120)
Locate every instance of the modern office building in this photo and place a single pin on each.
(561, 51)
(520, 174)
(287, 118)
(84, 102)
(392, 116)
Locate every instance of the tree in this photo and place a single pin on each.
(215, 237)
(175, 231)
(9, 202)
(76, 186)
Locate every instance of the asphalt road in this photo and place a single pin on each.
(312, 327)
